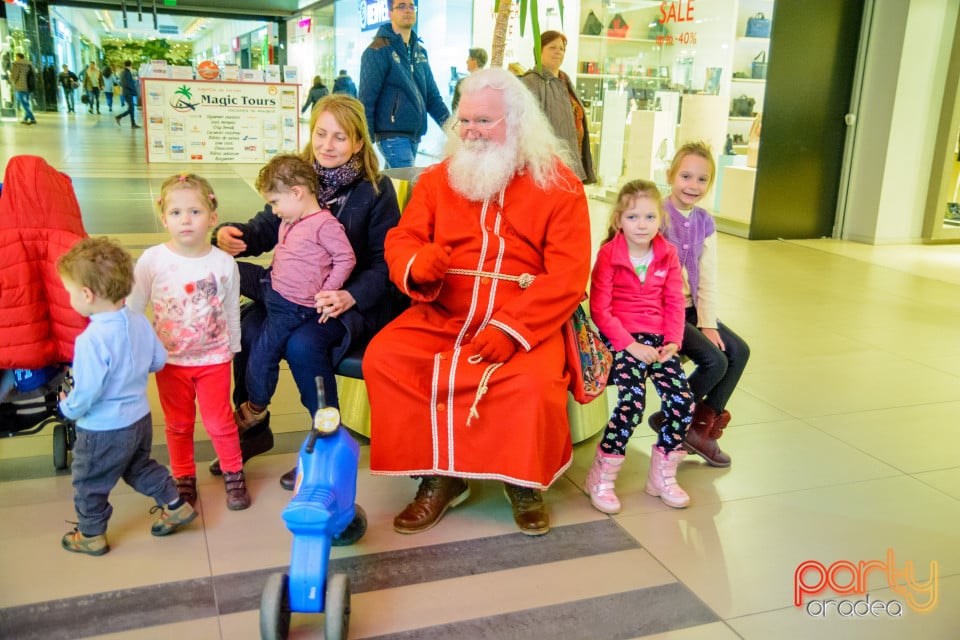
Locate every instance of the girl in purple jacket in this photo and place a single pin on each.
(636, 301)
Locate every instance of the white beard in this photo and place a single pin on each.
(480, 169)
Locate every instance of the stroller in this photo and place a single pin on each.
(33, 403)
(39, 221)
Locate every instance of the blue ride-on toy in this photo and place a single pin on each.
(321, 514)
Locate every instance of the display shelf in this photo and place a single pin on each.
(741, 119)
(585, 39)
(748, 80)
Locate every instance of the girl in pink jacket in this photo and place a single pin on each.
(636, 301)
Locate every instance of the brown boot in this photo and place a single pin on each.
(246, 416)
(435, 495)
(238, 498)
(187, 488)
(701, 439)
(529, 511)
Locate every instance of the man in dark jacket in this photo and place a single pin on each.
(397, 88)
(68, 82)
(129, 87)
(344, 84)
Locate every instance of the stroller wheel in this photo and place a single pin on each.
(337, 607)
(275, 608)
(60, 446)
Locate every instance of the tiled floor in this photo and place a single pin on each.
(845, 443)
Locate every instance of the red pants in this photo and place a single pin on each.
(181, 388)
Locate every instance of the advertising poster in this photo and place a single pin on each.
(203, 121)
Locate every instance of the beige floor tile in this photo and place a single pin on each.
(912, 439)
(31, 548)
(768, 459)
(946, 480)
(739, 557)
(202, 629)
(829, 384)
(795, 624)
(500, 592)
(714, 631)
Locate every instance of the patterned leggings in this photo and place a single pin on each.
(630, 374)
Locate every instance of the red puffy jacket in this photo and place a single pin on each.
(39, 221)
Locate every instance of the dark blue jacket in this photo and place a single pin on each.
(397, 88)
(366, 217)
(344, 84)
(128, 84)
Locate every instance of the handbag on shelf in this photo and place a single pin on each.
(758, 26)
(742, 107)
(588, 359)
(657, 30)
(758, 69)
(592, 26)
(618, 27)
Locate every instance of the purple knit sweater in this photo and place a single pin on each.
(687, 235)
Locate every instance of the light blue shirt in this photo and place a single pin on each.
(112, 360)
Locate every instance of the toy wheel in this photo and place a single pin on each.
(337, 607)
(59, 446)
(354, 530)
(275, 608)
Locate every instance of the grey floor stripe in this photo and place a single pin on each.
(631, 614)
(202, 598)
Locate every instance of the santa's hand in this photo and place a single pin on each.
(430, 263)
(494, 345)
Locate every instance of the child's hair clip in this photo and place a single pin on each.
(182, 178)
(160, 201)
(212, 196)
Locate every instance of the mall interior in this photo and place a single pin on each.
(839, 264)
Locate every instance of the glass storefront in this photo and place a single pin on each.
(657, 74)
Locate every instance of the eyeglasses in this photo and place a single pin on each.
(476, 125)
(405, 7)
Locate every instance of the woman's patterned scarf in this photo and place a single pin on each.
(329, 181)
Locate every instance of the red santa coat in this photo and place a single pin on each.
(39, 222)
(421, 379)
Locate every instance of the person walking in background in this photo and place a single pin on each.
(129, 87)
(109, 82)
(344, 84)
(554, 91)
(636, 301)
(69, 82)
(20, 73)
(476, 59)
(93, 85)
(112, 360)
(397, 88)
(317, 91)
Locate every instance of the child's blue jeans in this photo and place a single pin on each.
(101, 458)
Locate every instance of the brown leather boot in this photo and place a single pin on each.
(701, 439)
(529, 510)
(187, 488)
(435, 495)
(238, 498)
(253, 442)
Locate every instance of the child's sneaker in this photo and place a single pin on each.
(171, 520)
(246, 417)
(78, 543)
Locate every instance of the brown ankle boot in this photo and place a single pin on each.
(187, 488)
(237, 496)
(435, 495)
(701, 439)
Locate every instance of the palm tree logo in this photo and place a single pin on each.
(181, 100)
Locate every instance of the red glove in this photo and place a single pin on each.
(430, 263)
(493, 345)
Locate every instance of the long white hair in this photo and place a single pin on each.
(527, 127)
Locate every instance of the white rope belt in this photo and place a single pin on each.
(524, 279)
